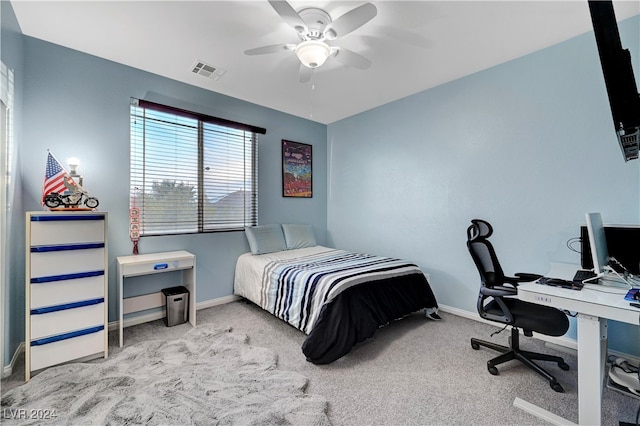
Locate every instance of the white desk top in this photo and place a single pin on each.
(598, 300)
(591, 300)
(153, 263)
(154, 257)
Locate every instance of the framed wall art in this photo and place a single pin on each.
(296, 170)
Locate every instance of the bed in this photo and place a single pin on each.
(336, 297)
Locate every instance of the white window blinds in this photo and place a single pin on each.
(191, 172)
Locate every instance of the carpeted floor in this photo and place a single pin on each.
(412, 372)
(208, 376)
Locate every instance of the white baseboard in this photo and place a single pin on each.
(216, 302)
(8, 369)
(152, 316)
(560, 343)
(564, 343)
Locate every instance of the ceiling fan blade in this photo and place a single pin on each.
(305, 74)
(352, 59)
(289, 14)
(274, 48)
(350, 21)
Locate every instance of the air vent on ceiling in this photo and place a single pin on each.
(207, 70)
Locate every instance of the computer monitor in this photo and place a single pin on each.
(622, 243)
(598, 243)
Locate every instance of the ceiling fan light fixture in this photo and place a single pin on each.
(313, 53)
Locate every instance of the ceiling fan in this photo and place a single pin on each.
(315, 29)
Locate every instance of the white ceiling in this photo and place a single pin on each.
(414, 45)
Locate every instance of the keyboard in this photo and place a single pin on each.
(583, 274)
(557, 282)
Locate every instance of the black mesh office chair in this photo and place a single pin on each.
(497, 302)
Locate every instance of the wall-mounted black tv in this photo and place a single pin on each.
(618, 77)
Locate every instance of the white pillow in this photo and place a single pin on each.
(265, 239)
(298, 236)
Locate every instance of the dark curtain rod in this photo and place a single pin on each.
(203, 117)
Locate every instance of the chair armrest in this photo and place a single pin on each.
(499, 291)
(512, 280)
(505, 316)
(526, 277)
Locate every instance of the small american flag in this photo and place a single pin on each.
(54, 177)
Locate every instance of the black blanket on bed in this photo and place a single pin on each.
(356, 313)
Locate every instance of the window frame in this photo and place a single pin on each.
(200, 218)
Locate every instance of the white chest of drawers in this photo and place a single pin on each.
(66, 287)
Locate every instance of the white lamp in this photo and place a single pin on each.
(73, 165)
(313, 53)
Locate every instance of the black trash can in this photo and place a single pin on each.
(177, 305)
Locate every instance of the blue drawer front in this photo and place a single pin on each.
(63, 217)
(52, 278)
(65, 336)
(65, 247)
(73, 305)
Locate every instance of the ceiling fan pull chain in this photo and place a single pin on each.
(313, 89)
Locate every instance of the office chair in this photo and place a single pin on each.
(497, 302)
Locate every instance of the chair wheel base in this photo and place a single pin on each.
(513, 352)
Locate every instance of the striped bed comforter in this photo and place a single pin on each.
(338, 298)
(295, 290)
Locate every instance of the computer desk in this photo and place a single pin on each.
(593, 309)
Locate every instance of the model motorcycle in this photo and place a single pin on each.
(75, 199)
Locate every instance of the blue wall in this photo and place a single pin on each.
(528, 145)
(78, 105)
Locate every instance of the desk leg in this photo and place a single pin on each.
(592, 346)
(189, 276)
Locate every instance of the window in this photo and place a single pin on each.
(191, 172)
